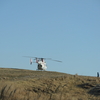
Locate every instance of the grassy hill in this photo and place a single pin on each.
(18, 84)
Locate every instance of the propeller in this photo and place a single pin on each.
(56, 60)
(37, 57)
(29, 57)
(42, 58)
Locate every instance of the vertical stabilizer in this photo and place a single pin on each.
(31, 61)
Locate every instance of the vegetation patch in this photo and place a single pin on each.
(18, 84)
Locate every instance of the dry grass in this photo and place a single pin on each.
(18, 84)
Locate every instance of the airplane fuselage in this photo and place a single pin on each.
(41, 65)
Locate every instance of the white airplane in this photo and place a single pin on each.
(41, 64)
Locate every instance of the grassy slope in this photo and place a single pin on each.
(17, 84)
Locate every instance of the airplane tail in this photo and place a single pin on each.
(31, 61)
